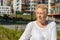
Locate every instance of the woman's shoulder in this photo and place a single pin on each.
(31, 23)
(52, 22)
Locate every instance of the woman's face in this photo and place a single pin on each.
(41, 14)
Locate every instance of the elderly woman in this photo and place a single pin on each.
(41, 29)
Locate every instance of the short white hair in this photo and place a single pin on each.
(42, 6)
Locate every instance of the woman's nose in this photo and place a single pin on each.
(41, 15)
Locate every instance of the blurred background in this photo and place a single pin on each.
(15, 14)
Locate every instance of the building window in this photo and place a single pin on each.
(17, 0)
(1, 2)
(17, 4)
(57, 1)
(58, 9)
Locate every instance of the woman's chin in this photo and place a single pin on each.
(39, 20)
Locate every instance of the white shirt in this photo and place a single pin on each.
(34, 32)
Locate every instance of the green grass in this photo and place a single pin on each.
(58, 33)
(10, 34)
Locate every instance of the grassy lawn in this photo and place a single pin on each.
(58, 33)
(10, 34)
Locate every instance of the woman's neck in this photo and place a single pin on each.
(43, 22)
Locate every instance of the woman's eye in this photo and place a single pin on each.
(37, 12)
(40, 12)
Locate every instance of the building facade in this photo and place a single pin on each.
(4, 9)
(17, 5)
(28, 6)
